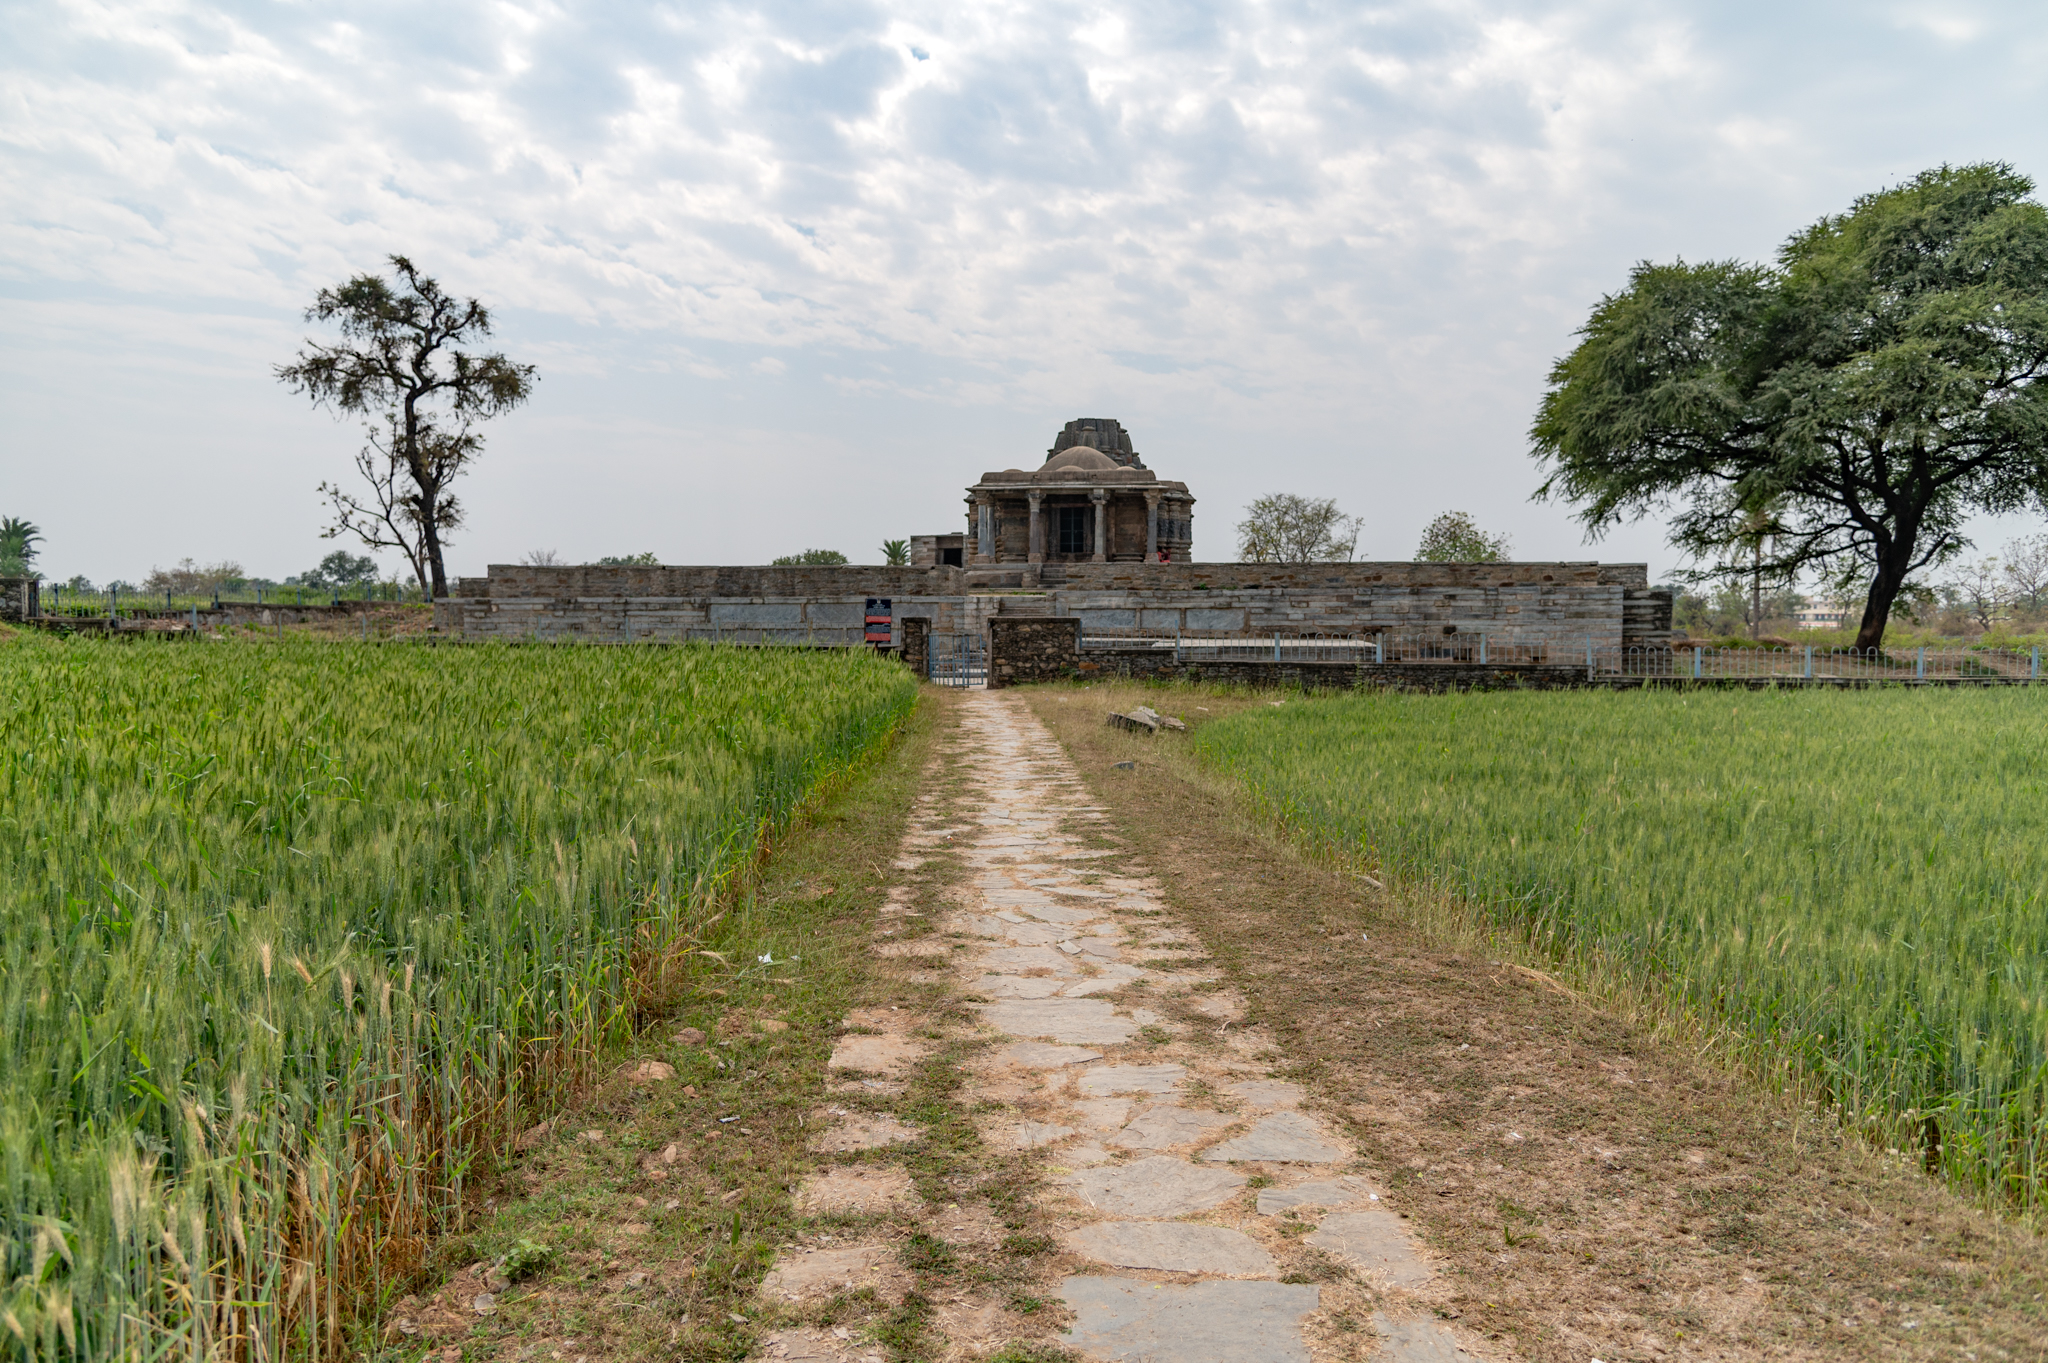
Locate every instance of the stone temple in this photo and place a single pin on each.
(1092, 537)
(1091, 501)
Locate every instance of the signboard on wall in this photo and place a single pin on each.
(881, 620)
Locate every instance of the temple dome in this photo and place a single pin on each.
(1080, 459)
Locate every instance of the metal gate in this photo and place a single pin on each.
(956, 659)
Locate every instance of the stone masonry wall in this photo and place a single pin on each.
(1553, 606)
(770, 605)
(1031, 648)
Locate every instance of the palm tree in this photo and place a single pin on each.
(18, 541)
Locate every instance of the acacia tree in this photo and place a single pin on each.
(402, 366)
(1876, 386)
(1283, 528)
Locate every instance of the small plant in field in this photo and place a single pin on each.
(525, 1259)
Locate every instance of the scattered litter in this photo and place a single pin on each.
(1370, 881)
(723, 1120)
(768, 959)
(1364, 937)
(1124, 766)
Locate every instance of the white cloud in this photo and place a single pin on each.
(1358, 233)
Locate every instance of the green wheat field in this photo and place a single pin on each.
(291, 936)
(1854, 882)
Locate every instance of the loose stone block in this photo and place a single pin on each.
(1163, 1125)
(1106, 1079)
(1088, 1022)
(1218, 1322)
(1284, 1137)
(1174, 1246)
(1376, 1241)
(1156, 1187)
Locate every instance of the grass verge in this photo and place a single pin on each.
(1594, 1183)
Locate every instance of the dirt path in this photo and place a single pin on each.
(1174, 1193)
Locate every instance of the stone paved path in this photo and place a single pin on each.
(1186, 1179)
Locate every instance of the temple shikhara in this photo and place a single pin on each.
(1091, 501)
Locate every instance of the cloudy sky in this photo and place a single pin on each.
(794, 275)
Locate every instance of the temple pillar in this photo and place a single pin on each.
(1101, 500)
(1036, 552)
(1151, 527)
(983, 527)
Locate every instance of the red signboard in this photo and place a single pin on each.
(881, 619)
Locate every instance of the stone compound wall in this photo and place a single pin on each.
(1560, 606)
(787, 605)
(1555, 606)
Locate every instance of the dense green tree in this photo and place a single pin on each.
(19, 539)
(1281, 527)
(1455, 537)
(1876, 386)
(401, 365)
(813, 558)
(646, 559)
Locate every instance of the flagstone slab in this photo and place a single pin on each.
(1093, 985)
(1376, 1241)
(865, 1133)
(1335, 1192)
(874, 1054)
(1104, 1114)
(1216, 1322)
(1269, 1092)
(1164, 1125)
(1060, 913)
(1416, 1341)
(1158, 1186)
(1174, 1246)
(1106, 947)
(1017, 960)
(1031, 1135)
(1107, 1079)
(1036, 934)
(1039, 1056)
(823, 1272)
(1087, 1022)
(1016, 986)
(1284, 1137)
